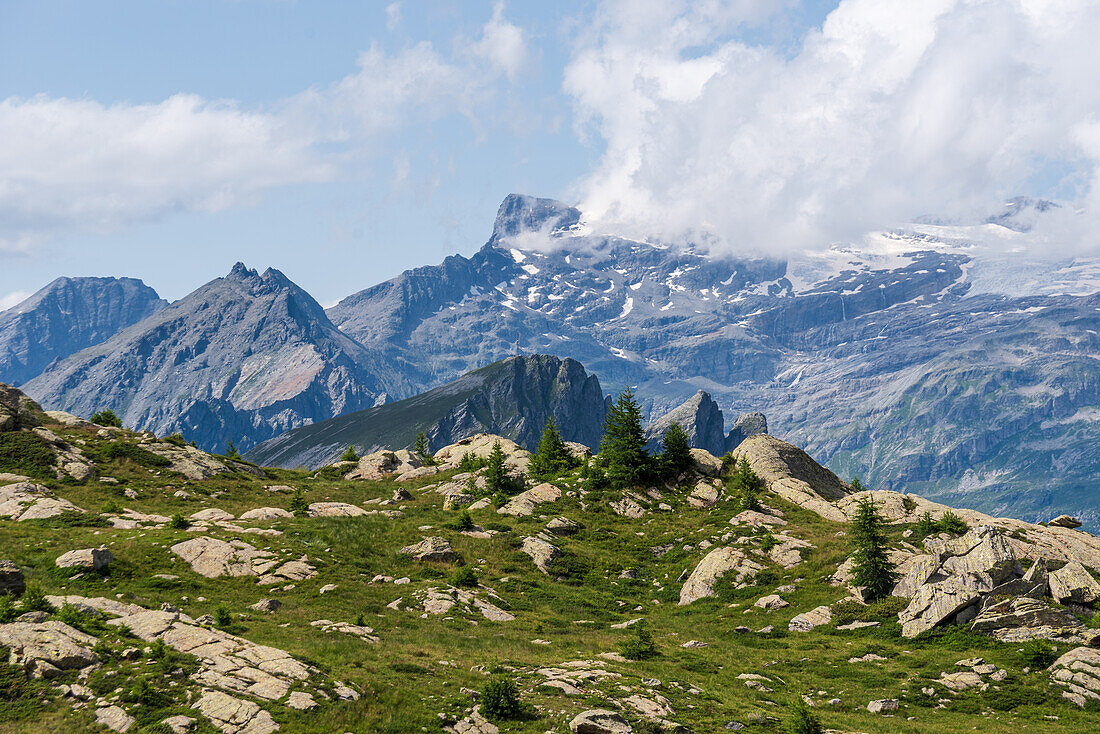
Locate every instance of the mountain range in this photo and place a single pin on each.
(920, 358)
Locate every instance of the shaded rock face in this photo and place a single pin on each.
(512, 398)
(66, 316)
(242, 358)
(11, 579)
(702, 420)
(17, 411)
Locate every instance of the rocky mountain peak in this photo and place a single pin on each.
(702, 420)
(519, 213)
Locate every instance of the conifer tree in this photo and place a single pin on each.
(623, 444)
(746, 486)
(676, 451)
(872, 568)
(423, 449)
(349, 454)
(496, 473)
(551, 457)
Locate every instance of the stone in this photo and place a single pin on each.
(652, 706)
(562, 526)
(114, 718)
(599, 721)
(233, 715)
(178, 724)
(53, 643)
(326, 589)
(212, 514)
(266, 605)
(1065, 521)
(457, 500)
(770, 602)
(982, 552)
(334, 509)
(475, 723)
(883, 705)
(543, 554)
(627, 506)
(694, 643)
(961, 680)
(266, 513)
(756, 519)
(525, 503)
(1073, 583)
(935, 603)
(714, 566)
(212, 558)
(808, 620)
(1078, 670)
(361, 631)
(433, 548)
(1020, 619)
(706, 463)
(86, 559)
(703, 494)
(28, 501)
(298, 570)
(383, 464)
(17, 411)
(301, 701)
(11, 579)
(516, 458)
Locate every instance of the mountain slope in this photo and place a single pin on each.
(512, 398)
(66, 316)
(242, 358)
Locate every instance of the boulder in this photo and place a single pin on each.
(562, 526)
(432, 548)
(475, 723)
(234, 715)
(17, 411)
(266, 513)
(543, 554)
(114, 718)
(706, 463)
(11, 579)
(178, 724)
(934, 603)
(55, 644)
(457, 500)
(87, 559)
(627, 507)
(382, 464)
(1073, 583)
(1020, 619)
(1065, 521)
(266, 605)
(212, 558)
(212, 514)
(793, 475)
(883, 705)
(808, 620)
(704, 494)
(524, 503)
(27, 501)
(771, 601)
(516, 458)
(982, 552)
(334, 509)
(599, 721)
(1078, 671)
(714, 566)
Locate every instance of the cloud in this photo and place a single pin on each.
(79, 165)
(13, 299)
(888, 111)
(393, 16)
(502, 43)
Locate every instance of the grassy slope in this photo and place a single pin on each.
(421, 665)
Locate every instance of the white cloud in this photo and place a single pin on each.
(502, 43)
(888, 111)
(13, 299)
(393, 15)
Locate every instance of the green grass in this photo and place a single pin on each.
(22, 452)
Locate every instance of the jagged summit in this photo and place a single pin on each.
(702, 420)
(520, 213)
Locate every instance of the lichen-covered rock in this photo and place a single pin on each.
(714, 566)
(27, 501)
(1020, 619)
(543, 554)
(793, 475)
(266, 513)
(211, 557)
(1065, 521)
(432, 548)
(88, 559)
(114, 718)
(1073, 583)
(381, 464)
(234, 715)
(982, 552)
(937, 602)
(17, 411)
(334, 509)
(562, 526)
(525, 502)
(55, 644)
(599, 721)
(808, 620)
(1079, 672)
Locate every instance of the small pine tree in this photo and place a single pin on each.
(496, 473)
(107, 418)
(349, 454)
(746, 486)
(803, 720)
(423, 449)
(298, 505)
(676, 451)
(623, 445)
(231, 451)
(551, 457)
(640, 646)
(872, 568)
(857, 486)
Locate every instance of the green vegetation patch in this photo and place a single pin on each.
(119, 450)
(26, 453)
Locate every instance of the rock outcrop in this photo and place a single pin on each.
(1078, 671)
(714, 566)
(702, 420)
(793, 475)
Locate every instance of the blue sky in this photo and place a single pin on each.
(343, 142)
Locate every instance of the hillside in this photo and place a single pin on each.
(240, 359)
(295, 601)
(512, 398)
(66, 316)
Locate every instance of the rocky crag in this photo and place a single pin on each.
(512, 398)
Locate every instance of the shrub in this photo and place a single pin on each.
(26, 453)
(110, 507)
(500, 700)
(146, 695)
(496, 473)
(127, 450)
(222, 617)
(462, 522)
(595, 478)
(908, 503)
(7, 608)
(465, 576)
(360, 619)
(81, 620)
(926, 525)
(1094, 621)
(34, 599)
(298, 505)
(768, 541)
(728, 462)
(72, 519)
(952, 523)
(1038, 654)
(746, 486)
(349, 454)
(803, 720)
(179, 522)
(107, 418)
(848, 610)
(176, 439)
(640, 646)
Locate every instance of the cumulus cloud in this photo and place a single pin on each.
(887, 111)
(82, 165)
